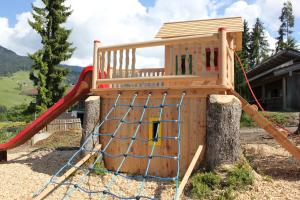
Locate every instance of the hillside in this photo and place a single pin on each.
(12, 89)
(10, 62)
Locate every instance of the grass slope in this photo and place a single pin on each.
(11, 88)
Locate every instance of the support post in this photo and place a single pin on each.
(90, 119)
(3, 156)
(284, 92)
(223, 54)
(95, 64)
(222, 132)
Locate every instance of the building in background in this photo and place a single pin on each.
(276, 81)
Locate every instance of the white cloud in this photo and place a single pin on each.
(20, 38)
(118, 21)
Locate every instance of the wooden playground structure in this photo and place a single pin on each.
(198, 61)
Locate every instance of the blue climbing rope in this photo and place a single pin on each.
(95, 134)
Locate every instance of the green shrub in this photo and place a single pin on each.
(203, 183)
(200, 191)
(19, 113)
(99, 168)
(246, 121)
(227, 194)
(276, 117)
(239, 177)
(8, 132)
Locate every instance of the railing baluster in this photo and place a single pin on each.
(114, 64)
(126, 63)
(120, 63)
(133, 62)
(187, 63)
(172, 68)
(102, 63)
(203, 51)
(108, 64)
(195, 60)
(212, 59)
(179, 71)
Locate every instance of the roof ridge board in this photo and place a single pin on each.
(203, 20)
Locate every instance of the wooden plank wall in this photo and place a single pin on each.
(193, 129)
(63, 125)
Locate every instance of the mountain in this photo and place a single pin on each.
(10, 62)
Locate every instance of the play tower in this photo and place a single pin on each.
(198, 60)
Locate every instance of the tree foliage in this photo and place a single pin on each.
(285, 39)
(46, 75)
(259, 46)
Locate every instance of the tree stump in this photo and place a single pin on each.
(90, 120)
(298, 130)
(222, 130)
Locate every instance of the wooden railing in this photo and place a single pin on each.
(205, 59)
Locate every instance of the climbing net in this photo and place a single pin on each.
(106, 190)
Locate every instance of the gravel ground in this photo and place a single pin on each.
(29, 168)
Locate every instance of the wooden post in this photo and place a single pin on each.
(231, 57)
(3, 156)
(223, 129)
(284, 92)
(223, 54)
(189, 171)
(95, 64)
(90, 119)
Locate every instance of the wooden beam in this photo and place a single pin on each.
(161, 42)
(151, 79)
(189, 171)
(61, 179)
(264, 123)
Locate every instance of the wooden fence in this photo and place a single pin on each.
(63, 125)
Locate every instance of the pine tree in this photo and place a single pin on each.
(285, 39)
(259, 46)
(244, 55)
(46, 75)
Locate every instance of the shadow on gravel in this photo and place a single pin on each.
(45, 160)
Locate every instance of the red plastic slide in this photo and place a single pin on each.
(81, 88)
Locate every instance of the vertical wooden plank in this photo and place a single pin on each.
(212, 57)
(95, 64)
(231, 46)
(179, 60)
(108, 64)
(103, 62)
(195, 60)
(133, 63)
(126, 63)
(114, 64)
(203, 58)
(172, 65)
(121, 63)
(187, 60)
(223, 49)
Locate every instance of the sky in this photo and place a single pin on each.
(120, 21)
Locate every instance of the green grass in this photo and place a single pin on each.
(12, 87)
(9, 130)
(276, 117)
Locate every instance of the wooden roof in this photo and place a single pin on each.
(275, 62)
(201, 27)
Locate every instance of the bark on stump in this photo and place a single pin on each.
(222, 130)
(90, 119)
(298, 130)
